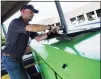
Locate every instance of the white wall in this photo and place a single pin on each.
(82, 10)
(78, 11)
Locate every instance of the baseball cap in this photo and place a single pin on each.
(29, 7)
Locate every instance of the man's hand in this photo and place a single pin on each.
(28, 49)
(54, 27)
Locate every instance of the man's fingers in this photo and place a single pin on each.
(55, 27)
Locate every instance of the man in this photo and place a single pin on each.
(17, 39)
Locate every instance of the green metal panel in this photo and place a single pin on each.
(77, 67)
(46, 71)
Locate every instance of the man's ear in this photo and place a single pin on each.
(22, 11)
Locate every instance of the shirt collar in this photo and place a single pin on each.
(22, 20)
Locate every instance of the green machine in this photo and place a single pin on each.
(69, 55)
(57, 61)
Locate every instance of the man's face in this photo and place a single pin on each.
(28, 14)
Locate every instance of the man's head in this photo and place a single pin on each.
(27, 12)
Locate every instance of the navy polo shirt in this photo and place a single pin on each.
(17, 37)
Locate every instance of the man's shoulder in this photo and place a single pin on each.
(16, 20)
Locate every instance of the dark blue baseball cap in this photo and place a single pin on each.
(29, 7)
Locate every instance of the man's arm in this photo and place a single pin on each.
(41, 37)
(37, 27)
(49, 34)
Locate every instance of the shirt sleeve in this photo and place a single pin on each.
(17, 26)
(33, 34)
